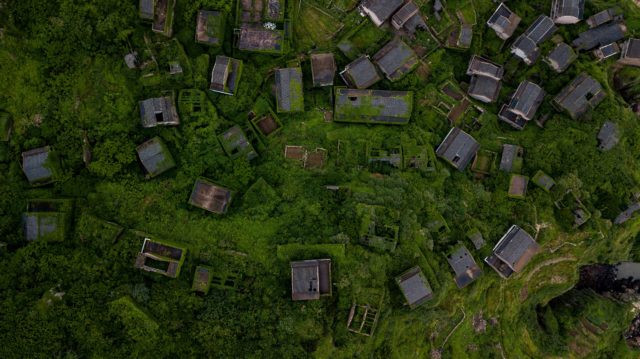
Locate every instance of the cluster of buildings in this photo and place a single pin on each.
(261, 30)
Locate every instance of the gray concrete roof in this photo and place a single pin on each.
(504, 21)
(509, 153)
(210, 197)
(361, 73)
(561, 57)
(600, 36)
(155, 157)
(484, 88)
(381, 9)
(526, 100)
(373, 106)
(310, 279)
(481, 66)
(414, 287)
(158, 111)
(573, 8)
(608, 136)
(395, 59)
(289, 94)
(516, 248)
(464, 266)
(323, 69)
(35, 165)
(583, 93)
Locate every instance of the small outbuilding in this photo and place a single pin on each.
(464, 266)
(202, 279)
(211, 197)
(543, 181)
(159, 111)
(155, 157)
(458, 148)
(603, 17)
(512, 253)
(518, 186)
(561, 57)
(512, 158)
(608, 136)
(225, 75)
(38, 165)
(323, 69)
(414, 287)
(361, 73)
(310, 279)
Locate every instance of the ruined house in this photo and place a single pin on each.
(567, 11)
(235, 143)
(464, 266)
(373, 106)
(395, 59)
(380, 11)
(155, 157)
(202, 279)
(458, 148)
(504, 21)
(161, 257)
(526, 45)
(512, 158)
(309, 159)
(512, 253)
(518, 186)
(159, 111)
(581, 95)
(210, 27)
(211, 197)
(225, 75)
(561, 57)
(485, 79)
(163, 13)
(600, 36)
(630, 54)
(289, 94)
(543, 181)
(323, 69)
(258, 39)
(146, 9)
(361, 73)
(414, 287)
(47, 219)
(523, 105)
(38, 165)
(608, 136)
(409, 19)
(310, 279)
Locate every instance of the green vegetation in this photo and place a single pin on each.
(77, 294)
